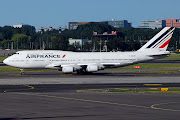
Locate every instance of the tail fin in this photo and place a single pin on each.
(160, 41)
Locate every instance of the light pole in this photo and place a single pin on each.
(100, 44)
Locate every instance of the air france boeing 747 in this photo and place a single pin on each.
(81, 62)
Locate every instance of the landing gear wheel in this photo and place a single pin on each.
(78, 71)
(22, 72)
(81, 71)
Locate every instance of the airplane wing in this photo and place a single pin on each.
(116, 64)
(110, 63)
(58, 65)
(53, 66)
(83, 64)
(80, 65)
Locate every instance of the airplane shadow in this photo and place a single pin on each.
(93, 74)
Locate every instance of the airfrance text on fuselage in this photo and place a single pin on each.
(43, 56)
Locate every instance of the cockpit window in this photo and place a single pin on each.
(15, 53)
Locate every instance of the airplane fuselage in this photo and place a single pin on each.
(52, 58)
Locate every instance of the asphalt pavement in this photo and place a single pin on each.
(66, 103)
(58, 96)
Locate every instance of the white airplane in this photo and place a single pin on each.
(81, 62)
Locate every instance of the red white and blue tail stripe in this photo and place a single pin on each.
(160, 41)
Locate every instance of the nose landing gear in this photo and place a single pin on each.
(22, 72)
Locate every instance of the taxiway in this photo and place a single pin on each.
(106, 76)
(54, 96)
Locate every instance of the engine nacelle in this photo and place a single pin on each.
(67, 69)
(92, 68)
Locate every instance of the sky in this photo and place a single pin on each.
(57, 13)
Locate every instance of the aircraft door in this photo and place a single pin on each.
(79, 60)
(27, 61)
(49, 61)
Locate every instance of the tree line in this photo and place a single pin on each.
(125, 40)
(27, 38)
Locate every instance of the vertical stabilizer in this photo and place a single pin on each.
(160, 41)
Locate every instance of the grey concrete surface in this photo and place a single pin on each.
(71, 105)
(55, 96)
(106, 76)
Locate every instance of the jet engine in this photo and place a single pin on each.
(92, 68)
(67, 69)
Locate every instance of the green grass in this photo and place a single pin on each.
(6, 69)
(172, 57)
(133, 90)
(2, 58)
(9, 69)
(176, 52)
(162, 68)
(151, 66)
(163, 72)
(144, 90)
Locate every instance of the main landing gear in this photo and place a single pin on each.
(22, 72)
(82, 71)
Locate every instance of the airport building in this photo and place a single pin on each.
(118, 23)
(113, 22)
(173, 23)
(42, 29)
(20, 25)
(153, 24)
(74, 25)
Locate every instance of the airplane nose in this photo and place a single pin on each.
(6, 61)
